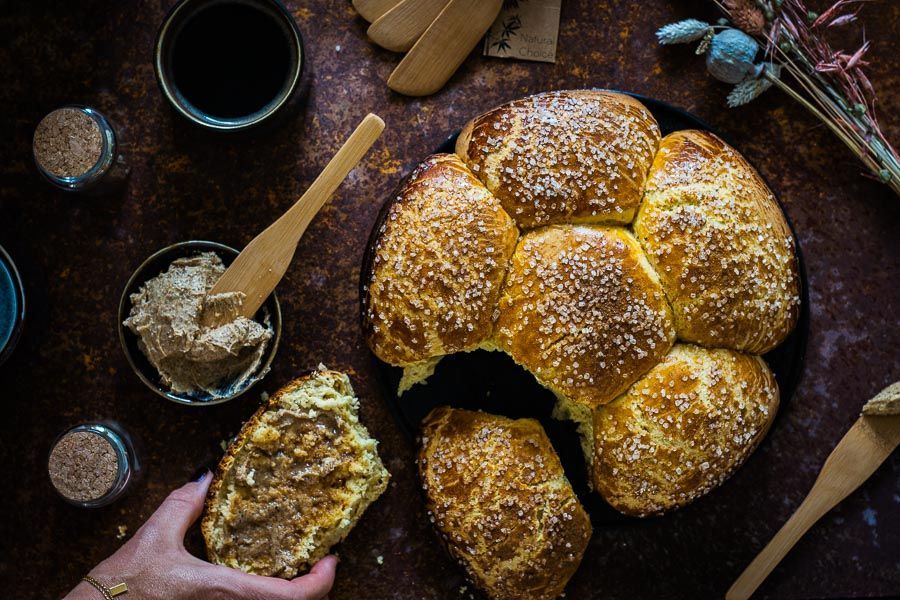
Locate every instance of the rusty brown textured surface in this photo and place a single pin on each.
(77, 253)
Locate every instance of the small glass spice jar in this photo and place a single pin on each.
(93, 464)
(76, 149)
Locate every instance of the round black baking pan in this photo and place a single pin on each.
(492, 382)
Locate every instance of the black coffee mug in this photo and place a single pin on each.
(228, 65)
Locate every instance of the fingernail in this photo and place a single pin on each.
(200, 475)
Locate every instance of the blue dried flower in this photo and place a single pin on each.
(730, 56)
(682, 32)
(754, 85)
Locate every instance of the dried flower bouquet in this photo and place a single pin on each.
(831, 84)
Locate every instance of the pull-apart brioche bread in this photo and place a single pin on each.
(498, 496)
(295, 481)
(437, 267)
(564, 157)
(583, 311)
(682, 429)
(720, 244)
(586, 300)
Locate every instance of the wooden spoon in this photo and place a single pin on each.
(444, 46)
(262, 263)
(371, 10)
(399, 28)
(868, 443)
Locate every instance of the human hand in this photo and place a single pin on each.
(156, 566)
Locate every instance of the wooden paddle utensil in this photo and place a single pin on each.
(444, 46)
(262, 263)
(399, 28)
(868, 443)
(372, 10)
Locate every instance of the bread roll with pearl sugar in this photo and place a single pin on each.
(720, 244)
(682, 429)
(496, 492)
(583, 311)
(564, 157)
(295, 480)
(439, 261)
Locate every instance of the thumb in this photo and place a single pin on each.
(179, 510)
(315, 585)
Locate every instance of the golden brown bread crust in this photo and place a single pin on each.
(589, 309)
(498, 496)
(582, 310)
(564, 157)
(260, 522)
(720, 244)
(682, 429)
(439, 261)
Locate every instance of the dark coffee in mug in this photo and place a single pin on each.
(231, 59)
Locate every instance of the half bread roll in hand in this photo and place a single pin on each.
(295, 481)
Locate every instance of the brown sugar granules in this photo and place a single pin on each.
(67, 143)
(83, 466)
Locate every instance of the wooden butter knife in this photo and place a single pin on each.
(399, 28)
(444, 46)
(371, 10)
(262, 263)
(868, 443)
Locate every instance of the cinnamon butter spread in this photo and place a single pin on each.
(292, 484)
(198, 343)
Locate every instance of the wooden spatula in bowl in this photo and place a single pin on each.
(864, 447)
(262, 263)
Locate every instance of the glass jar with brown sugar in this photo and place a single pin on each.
(76, 148)
(93, 464)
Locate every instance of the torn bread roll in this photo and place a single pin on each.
(295, 481)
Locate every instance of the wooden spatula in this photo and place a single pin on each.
(444, 46)
(262, 263)
(868, 443)
(399, 28)
(371, 10)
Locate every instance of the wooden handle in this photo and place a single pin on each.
(262, 263)
(868, 443)
(297, 218)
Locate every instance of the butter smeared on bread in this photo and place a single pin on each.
(295, 481)
(499, 498)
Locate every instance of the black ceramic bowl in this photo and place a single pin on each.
(180, 15)
(492, 382)
(147, 373)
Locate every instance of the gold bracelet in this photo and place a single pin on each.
(108, 593)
